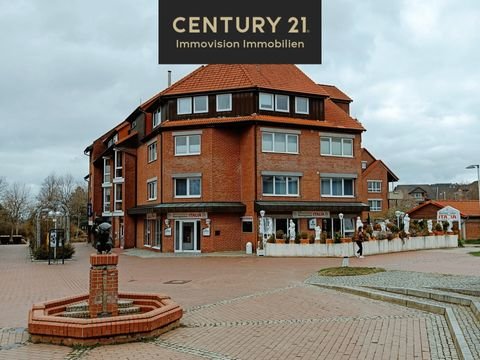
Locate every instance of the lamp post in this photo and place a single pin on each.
(342, 228)
(397, 214)
(478, 178)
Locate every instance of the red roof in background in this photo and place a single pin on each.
(466, 207)
(335, 93)
(216, 77)
(343, 122)
(335, 115)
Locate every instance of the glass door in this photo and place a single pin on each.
(187, 235)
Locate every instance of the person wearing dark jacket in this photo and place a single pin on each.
(359, 239)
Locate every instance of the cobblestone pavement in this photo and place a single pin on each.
(241, 307)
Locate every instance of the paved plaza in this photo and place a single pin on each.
(245, 307)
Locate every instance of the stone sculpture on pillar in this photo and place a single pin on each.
(359, 222)
(406, 224)
(430, 226)
(103, 239)
(291, 231)
(318, 232)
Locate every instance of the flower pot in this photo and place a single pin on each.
(329, 241)
(345, 240)
(304, 241)
(438, 232)
(279, 241)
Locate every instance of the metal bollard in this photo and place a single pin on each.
(345, 261)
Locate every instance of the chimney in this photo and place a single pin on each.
(169, 78)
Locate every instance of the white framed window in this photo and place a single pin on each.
(187, 145)
(152, 189)
(301, 105)
(337, 187)
(118, 197)
(157, 118)
(280, 185)
(224, 102)
(190, 187)
(336, 146)
(374, 186)
(118, 164)
(418, 196)
(200, 104)
(279, 142)
(282, 103)
(364, 165)
(184, 105)
(375, 204)
(107, 172)
(106, 199)
(152, 152)
(115, 138)
(266, 101)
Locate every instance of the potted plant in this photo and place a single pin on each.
(311, 239)
(280, 239)
(304, 238)
(438, 229)
(337, 237)
(323, 238)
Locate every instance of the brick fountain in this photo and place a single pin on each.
(103, 316)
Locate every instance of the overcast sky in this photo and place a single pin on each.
(71, 70)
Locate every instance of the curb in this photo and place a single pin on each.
(457, 334)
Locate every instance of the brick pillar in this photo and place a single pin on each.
(103, 299)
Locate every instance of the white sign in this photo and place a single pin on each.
(187, 215)
(448, 213)
(311, 214)
(168, 231)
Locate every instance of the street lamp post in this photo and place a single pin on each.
(397, 214)
(478, 178)
(342, 227)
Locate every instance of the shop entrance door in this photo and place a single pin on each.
(187, 235)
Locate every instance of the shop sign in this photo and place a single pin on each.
(151, 216)
(448, 213)
(187, 215)
(311, 214)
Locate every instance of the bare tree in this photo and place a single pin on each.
(78, 205)
(3, 187)
(16, 204)
(49, 192)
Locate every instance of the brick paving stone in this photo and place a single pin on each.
(244, 307)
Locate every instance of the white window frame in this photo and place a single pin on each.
(189, 99)
(152, 152)
(343, 140)
(286, 186)
(195, 111)
(157, 118)
(188, 195)
(107, 204)
(417, 195)
(152, 189)
(116, 167)
(372, 186)
(376, 208)
(105, 172)
(276, 103)
(116, 200)
(188, 153)
(296, 105)
(230, 102)
(364, 165)
(343, 187)
(260, 101)
(278, 134)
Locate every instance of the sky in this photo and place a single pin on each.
(72, 70)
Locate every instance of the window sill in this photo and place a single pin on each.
(339, 156)
(105, 185)
(152, 199)
(188, 197)
(280, 152)
(107, 213)
(151, 161)
(118, 180)
(281, 195)
(187, 154)
(338, 196)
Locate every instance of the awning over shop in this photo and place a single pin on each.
(211, 207)
(334, 207)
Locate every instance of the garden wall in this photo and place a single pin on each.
(369, 247)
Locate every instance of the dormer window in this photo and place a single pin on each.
(282, 103)
(266, 101)
(301, 105)
(184, 105)
(224, 102)
(200, 104)
(157, 118)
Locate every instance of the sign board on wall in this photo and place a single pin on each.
(151, 216)
(187, 215)
(311, 214)
(448, 213)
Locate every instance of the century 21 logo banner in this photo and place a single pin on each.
(247, 31)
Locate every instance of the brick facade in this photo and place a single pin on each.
(231, 162)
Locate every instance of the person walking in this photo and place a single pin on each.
(360, 238)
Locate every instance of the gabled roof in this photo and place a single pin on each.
(466, 208)
(221, 77)
(390, 174)
(418, 189)
(335, 93)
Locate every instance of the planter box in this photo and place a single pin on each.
(346, 240)
(304, 241)
(329, 241)
(279, 241)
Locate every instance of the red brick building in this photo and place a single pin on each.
(191, 168)
(469, 212)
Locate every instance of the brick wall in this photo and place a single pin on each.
(375, 172)
(145, 171)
